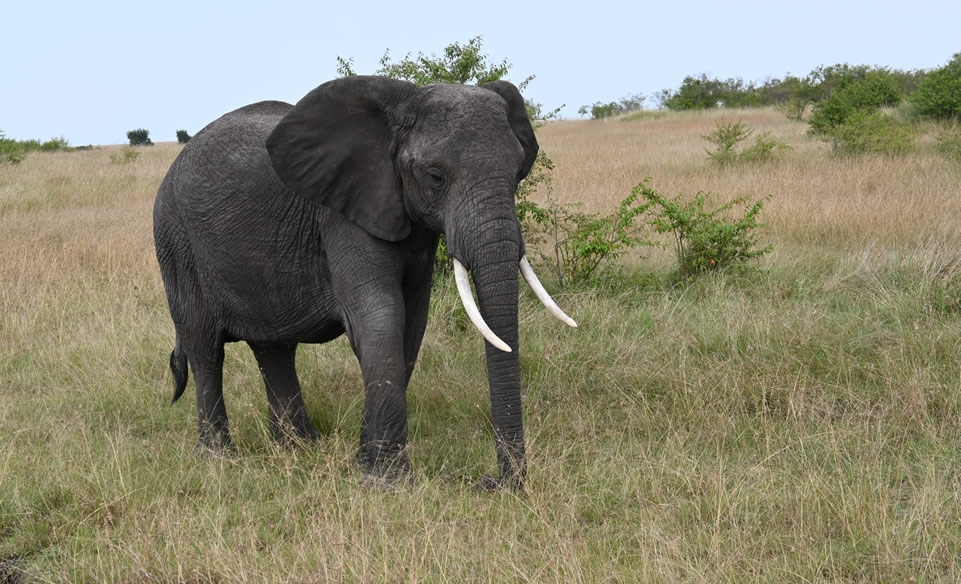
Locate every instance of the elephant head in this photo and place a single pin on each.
(388, 155)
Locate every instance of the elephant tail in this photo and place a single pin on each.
(178, 366)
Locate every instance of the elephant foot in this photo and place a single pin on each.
(389, 471)
(213, 444)
(212, 451)
(291, 435)
(390, 483)
(489, 484)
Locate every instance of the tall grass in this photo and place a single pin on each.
(794, 424)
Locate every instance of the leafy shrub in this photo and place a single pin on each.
(939, 95)
(949, 143)
(11, 151)
(873, 132)
(139, 137)
(600, 110)
(125, 156)
(764, 149)
(705, 240)
(183, 137)
(584, 242)
(55, 144)
(877, 88)
(726, 137)
(701, 92)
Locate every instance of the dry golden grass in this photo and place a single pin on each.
(818, 198)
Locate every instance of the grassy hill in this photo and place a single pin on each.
(798, 423)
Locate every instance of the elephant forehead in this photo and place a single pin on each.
(462, 104)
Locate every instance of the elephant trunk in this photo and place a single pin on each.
(496, 284)
(491, 247)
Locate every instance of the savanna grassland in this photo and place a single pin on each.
(800, 422)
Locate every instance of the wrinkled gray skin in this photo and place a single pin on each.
(281, 224)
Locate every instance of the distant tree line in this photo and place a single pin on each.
(934, 93)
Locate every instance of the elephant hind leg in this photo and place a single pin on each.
(288, 413)
(208, 366)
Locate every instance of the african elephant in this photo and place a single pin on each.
(280, 224)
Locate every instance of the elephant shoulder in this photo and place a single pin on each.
(263, 108)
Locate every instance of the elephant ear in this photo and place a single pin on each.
(519, 122)
(336, 147)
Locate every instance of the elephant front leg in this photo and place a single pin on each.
(378, 344)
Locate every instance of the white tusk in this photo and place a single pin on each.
(467, 299)
(542, 294)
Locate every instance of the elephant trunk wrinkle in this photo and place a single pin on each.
(495, 278)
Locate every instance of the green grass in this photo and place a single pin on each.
(796, 423)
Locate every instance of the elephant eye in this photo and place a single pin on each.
(436, 178)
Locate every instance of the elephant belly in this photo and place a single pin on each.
(264, 272)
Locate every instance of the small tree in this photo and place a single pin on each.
(182, 136)
(139, 137)
(875, 89)
(939, 95)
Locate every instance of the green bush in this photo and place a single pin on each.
(939, 95)
(585, 242)
(125, 156)
(705, 240)
(727, 137)
(183, 137)
(55, 144)
(600, 110)
(949, 143)
(764, 149)
(873, 132)
(11, 151)
(139, 137)
(702, 92)
(877, 88)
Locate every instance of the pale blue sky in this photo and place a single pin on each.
(90, 71)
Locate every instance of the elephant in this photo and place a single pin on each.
(283, 224)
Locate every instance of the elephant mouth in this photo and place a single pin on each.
(470, 306)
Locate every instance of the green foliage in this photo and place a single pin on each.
(877, 88)
(15, 151)
(702, 92)
(183, 137)
(600, 110)
(459, 64)
(939, 95)
(764, 149)
(139, 137)
(873, 131)
(55, 145)
(11, 151)
(949, 143)
(125, 156)
(705, 240)
(584, 242)
(727, 137)
(791, 95)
